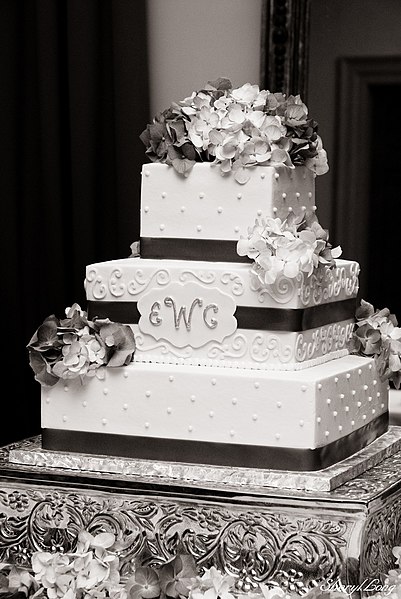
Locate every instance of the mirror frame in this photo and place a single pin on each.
(285, 46)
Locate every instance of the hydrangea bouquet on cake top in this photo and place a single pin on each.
(236, 128)
(76, 347)
(286, 248)
(377, 334)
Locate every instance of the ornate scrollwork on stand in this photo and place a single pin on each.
(382, 533)
(251, 544)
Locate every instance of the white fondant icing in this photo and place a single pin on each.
(205, 189)
(135, 275)
(257, 350)
(233, 399)
(145, 282)
(190, 314)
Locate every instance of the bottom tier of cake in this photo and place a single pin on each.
(303, 420)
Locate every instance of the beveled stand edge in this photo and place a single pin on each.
(360, 468)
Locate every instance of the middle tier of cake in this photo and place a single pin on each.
(208, 313)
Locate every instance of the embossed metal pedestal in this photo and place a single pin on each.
(295, 538)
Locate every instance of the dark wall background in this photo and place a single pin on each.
(73, 102)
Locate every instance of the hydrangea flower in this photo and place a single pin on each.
(286, 248)
(236, 128)
(91, 571)
(144, 584)
(76, 347)
(178, 576)
(377, 334)
(213, 585)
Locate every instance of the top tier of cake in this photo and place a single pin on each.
(179, 211)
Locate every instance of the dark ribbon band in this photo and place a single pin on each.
(215, 454)
(211, 250)
(270, 319)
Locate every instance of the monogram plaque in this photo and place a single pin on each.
(187, 314)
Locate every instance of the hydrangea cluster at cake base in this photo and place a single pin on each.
(92, 571)
(236, 128)
(76, 347)
(376, 333)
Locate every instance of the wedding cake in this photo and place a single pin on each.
(231, 336)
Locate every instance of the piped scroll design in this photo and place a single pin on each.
(270, 347)
(254, 546)
(237, 348)
(324, 340)
(99, 288)
(164, 348)
(326, 283)
(233, 280)
(282, 291)
(203, 277)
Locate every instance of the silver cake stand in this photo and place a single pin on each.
(262, 526)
